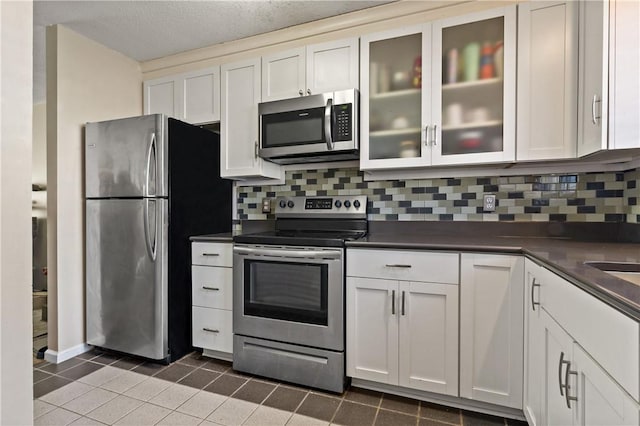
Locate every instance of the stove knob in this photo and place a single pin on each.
(347, 203)
(338, 204)
(356, 204)
(283, 204)
(290, 204)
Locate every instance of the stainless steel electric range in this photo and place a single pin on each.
(289, 291)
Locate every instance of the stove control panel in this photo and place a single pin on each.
(338, 206)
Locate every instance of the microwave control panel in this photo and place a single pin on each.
(343, 123)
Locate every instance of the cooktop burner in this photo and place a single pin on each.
(314, 221)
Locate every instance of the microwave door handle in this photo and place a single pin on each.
(327, 124)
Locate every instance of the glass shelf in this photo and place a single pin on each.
(396, 94)
(487, 82)
(395, 133)
(478, 125)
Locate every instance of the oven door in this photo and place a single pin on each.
(289, 294)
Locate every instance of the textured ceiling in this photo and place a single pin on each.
(145, 30)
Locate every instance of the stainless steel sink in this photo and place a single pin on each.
(626, 271)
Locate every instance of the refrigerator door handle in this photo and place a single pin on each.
(151, 245)
(152, 145)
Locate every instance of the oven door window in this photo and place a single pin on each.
(300, 127)
(286, 291)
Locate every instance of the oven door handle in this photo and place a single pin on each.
(299, 254)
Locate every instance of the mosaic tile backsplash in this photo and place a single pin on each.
(582, 197)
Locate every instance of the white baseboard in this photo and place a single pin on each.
(56, 357)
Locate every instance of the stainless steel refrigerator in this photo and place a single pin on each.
(151, 182)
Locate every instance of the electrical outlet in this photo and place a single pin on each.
(489, 202)
(266, 205)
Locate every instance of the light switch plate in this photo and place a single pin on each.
(489, 203)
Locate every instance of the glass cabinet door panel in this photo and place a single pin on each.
(395, 97)
(472, 87)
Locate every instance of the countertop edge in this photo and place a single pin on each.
(226, 237)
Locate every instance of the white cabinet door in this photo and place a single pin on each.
(473, 109)
(160, 96)
(558, 347)
(428, 348)
(283, 75)
(201, 96)
(372, 329)
(212, 329)
(533, 346)
(239, 123)
(395, 98)
(624, 84)
(601, 401)
(491, 328)
(593, 94)
(547, 80)
(332, 66)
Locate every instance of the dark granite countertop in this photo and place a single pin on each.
(224, 237)
(562, 255)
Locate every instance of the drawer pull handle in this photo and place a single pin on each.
(211, 254)
(204, 287)
(210, 330)
(534, 284)
(397, 265)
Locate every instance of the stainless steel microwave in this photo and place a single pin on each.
(311, 128)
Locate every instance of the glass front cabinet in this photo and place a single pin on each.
(441, 93)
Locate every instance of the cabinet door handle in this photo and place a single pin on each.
(210, 330)
(255, 149)
(300, 92)
(396, 265)
(204, 287)
(434, 140)
(308, 91)
(594, 117)
(211, 254)
(563, 386)
(567, 386)
(426, 134)
(403, 302)
(393, 302)
(533, 302)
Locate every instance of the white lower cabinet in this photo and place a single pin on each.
(401, 331)
(566, 383)
(212, 298)
(491, 328)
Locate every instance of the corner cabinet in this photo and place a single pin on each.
(442, 93)
(314, 69)
(491, 328)
(193, 97)
(577, 372)
(239, 123)
(212, 298)
(402, 310)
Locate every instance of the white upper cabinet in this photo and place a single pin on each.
(442, 93)
(313, 69)
(239, 123)
(624, 83)
(193, 97)
(547, 80)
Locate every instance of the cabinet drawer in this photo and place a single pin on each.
(212, 254)
(212, 329)
(404, 265)
(212, 287)
(610, 337)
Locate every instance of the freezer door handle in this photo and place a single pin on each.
(150, 151)
(150, 244)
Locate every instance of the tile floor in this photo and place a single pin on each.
(99, 388)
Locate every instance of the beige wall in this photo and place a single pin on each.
(85, 82)
(16, 47)
(39, 159)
